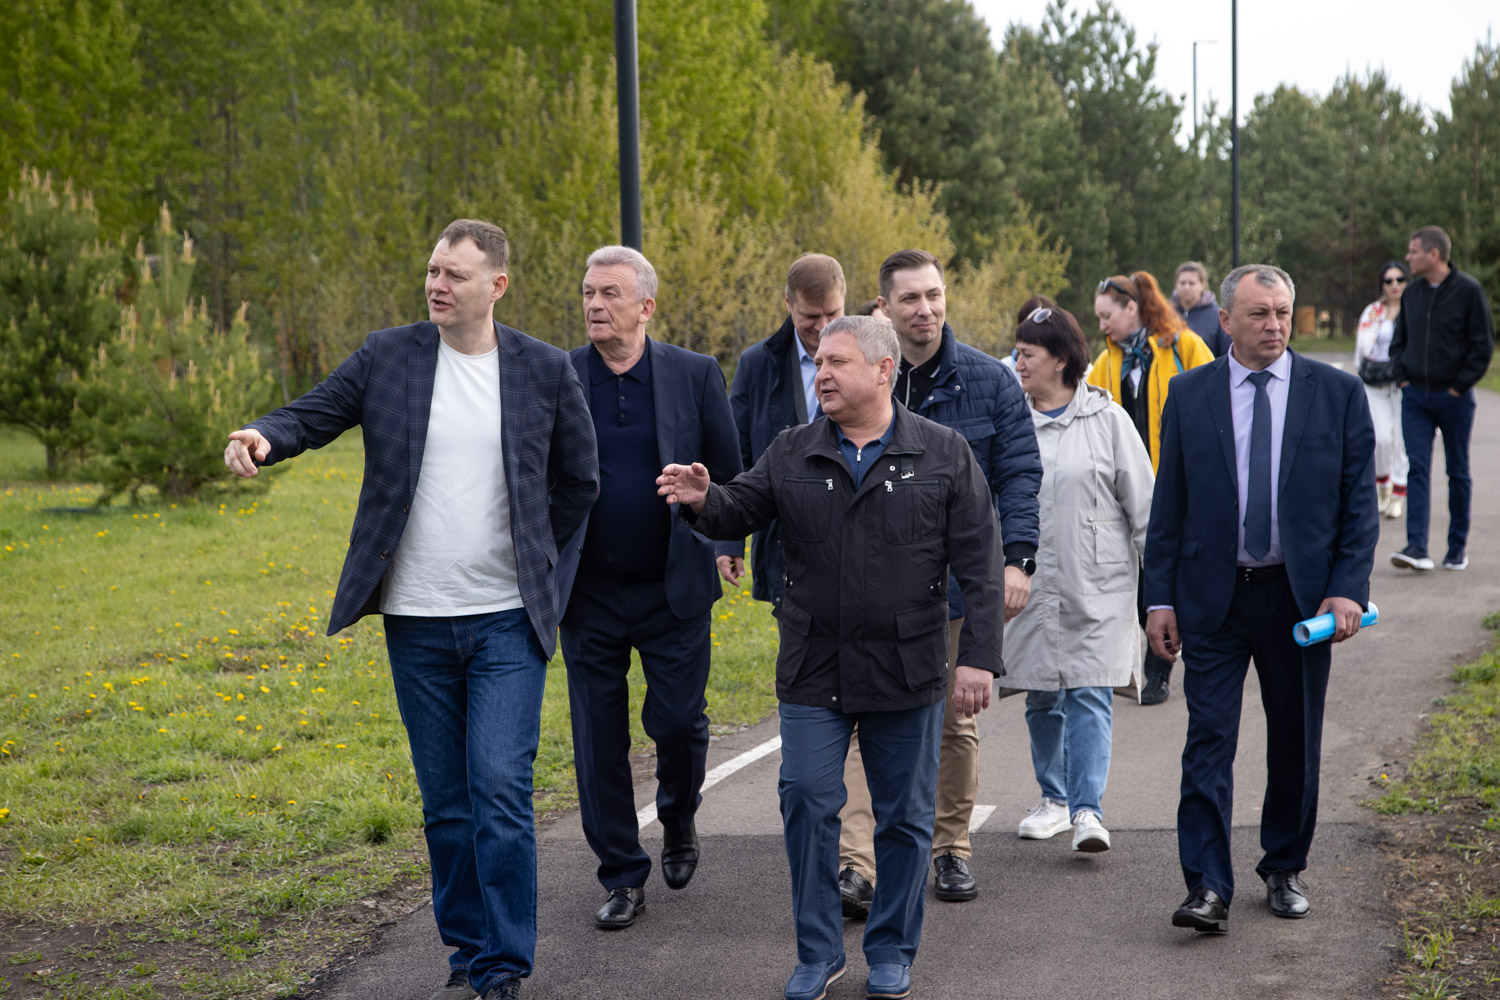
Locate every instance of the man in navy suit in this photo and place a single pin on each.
(640, 578)
(479, 464)
(1287, 445)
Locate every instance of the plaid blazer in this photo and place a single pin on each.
(547, 440)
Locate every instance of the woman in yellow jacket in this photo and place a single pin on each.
(1148, 344)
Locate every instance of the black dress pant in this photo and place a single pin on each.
(1293, 688)
(605, 620)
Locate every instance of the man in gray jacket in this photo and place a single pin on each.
(869, 492)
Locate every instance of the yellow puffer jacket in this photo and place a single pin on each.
(1170, 354)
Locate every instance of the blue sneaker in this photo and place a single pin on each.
(811, 981)
(888, 981)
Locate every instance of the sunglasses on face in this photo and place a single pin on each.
(1397, 280)
(1108, 283)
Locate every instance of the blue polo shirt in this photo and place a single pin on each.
(861, 459)
(630, 525)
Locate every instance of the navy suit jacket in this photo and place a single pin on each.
(546, 436)
(1326, 508)
(693, 424)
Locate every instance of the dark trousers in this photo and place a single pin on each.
(604, 621)
(900, 751)
(1293, 685)
(1423, 413)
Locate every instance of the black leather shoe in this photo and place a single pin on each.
(954, 883)
(1157, 690)
(1287, 895)
(679, 855)
(1203, 910)
(855, 892)
(619, 911)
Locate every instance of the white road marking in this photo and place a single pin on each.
(978, 816)
(648, 814)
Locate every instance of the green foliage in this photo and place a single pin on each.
(57, 288)
(1467, 169)
(161, 395)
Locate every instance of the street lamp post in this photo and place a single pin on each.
(1196, 43)
(1234, 127)
(629, 100)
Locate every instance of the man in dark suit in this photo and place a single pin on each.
(479, 464)
(641, 579)
(1286, 443)
(773, 390)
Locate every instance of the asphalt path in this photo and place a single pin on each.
(1047, 921)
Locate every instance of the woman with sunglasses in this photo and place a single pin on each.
(1078, 637)
(1147, 344)
(1372, 345)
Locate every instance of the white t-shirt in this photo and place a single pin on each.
(456, 556)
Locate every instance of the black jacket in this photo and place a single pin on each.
(1444, 336)
(864, 620)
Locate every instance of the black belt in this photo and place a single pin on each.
(1260, 574)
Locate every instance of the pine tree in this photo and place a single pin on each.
(57, 303)
(164, 392)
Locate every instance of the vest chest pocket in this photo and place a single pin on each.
(806, 508)
(911, 510)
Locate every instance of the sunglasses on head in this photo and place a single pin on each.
(1397, 280)
(1039, 315)
(1108, 283)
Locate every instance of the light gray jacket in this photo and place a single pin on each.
(1080, 628)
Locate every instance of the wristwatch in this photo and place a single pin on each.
(1027, 565)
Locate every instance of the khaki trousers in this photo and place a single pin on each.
(957, 785)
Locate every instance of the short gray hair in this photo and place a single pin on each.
(614, 256)
(877, 338)
(1265, 274)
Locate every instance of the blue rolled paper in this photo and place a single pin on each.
(1320, 629)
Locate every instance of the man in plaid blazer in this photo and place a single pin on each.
(480, 462)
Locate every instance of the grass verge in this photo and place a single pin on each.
(201, 795)
(1445, 830)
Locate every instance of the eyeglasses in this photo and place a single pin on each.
(1039, 315)
(1108, 283)
(1398, 280)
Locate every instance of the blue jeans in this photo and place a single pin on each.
(1070, 744)
(1422, 413)
(900, 751)
(470, 692)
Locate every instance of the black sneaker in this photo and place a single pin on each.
(457, 987)
(508, 988)
(1456, 559)
(1411, 558)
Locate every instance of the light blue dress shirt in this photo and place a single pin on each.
(1242, 409)
(809, 369)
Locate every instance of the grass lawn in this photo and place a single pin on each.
(1445, 828)
(201, 795)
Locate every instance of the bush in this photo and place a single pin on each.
(162, 395)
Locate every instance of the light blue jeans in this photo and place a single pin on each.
(1070, 744)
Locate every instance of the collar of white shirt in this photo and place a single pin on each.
(1280, 368)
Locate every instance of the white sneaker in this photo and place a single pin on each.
(1395, 508)
(1406, 559)
(1460, 561)
(1047, 819)
(1089, 834)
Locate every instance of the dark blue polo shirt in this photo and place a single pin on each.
(860, 459)
(630, 524)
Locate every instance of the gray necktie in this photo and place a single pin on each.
(1258, 499)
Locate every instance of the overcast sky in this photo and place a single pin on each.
(1305, 43)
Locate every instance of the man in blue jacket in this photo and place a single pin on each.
(479, 464)
(637, 577)
(773, 390)
(963, 388)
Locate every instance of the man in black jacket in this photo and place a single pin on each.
(872, 493)
(1441, 346)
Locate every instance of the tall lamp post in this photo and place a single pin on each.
(629, 100)
(1234, 127)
